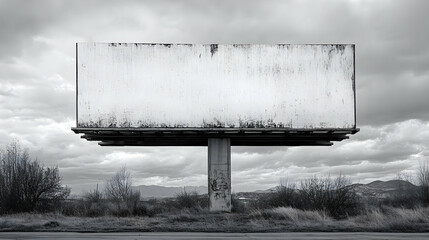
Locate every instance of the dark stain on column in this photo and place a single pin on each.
(213, 49)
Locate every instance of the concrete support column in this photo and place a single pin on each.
(219, 174)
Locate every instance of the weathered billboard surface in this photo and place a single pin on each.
(200, 86)
(206, 86)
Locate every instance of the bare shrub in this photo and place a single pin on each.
(158, 206)
(190, 200)
(95, 204)
(286, 195)
(92, 204)
(75, 207)
(423, 181)
(93, 196)
(141, 209)
(118, 190)
(237, 206)
(334, 195)
(25, 185)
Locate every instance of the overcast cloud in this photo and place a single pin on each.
(37, 84)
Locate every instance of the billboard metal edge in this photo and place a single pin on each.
(77, 87)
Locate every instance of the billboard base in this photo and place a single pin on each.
(219, 174)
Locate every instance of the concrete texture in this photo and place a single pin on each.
(219, 174)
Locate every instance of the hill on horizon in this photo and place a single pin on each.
(375, 189)
(384, 189)
(155, 191)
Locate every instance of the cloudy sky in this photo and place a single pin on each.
(37, 84)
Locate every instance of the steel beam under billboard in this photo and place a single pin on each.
(183, 94)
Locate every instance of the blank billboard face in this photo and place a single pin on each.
(207, 86)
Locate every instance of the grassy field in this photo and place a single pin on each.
(316, 204)
(267, 220)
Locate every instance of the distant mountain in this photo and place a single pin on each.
(374, 190)
(377, 189)
(153, 191)
(380, 189)
(269, 190)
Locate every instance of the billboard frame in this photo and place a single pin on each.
(192, 136)
(218, 139)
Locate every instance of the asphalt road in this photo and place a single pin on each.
(212, 236)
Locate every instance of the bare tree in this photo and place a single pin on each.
(24, 183)
(423, 180)
(119, 190)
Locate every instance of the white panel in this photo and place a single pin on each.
(183, 85)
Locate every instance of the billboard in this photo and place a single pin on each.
(212, 86)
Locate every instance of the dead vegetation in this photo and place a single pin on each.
(315, 204)
(261, 220)
(188, 212)
(26, 185)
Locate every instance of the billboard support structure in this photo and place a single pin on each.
(145, 94)
(219, 174)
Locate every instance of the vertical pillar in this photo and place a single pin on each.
(219, 174)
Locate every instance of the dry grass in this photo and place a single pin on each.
(275, 219)
(392, 219)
